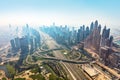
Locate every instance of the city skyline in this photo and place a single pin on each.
(59, 40)
(62, 12)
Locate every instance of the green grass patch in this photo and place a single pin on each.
(4, 78)
(54, 77)
(0, 74)
(37, 77)
(36, 69)
(11, 70)
(20, 79)
(36, 58)
(48, 69)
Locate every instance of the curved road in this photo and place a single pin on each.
(72, 68)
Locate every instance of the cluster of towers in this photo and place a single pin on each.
(62, 35)
(82, 34)
(67, 35)
(93, 37)
(102, 43)
(106, 38)
(96, 40)
(29, 41)
(99, 41)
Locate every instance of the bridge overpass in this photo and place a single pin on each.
(51, 50)
(68, 61)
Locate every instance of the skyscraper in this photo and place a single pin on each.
(91, 27)
(24, 45)
(12, 42)
(17, 43)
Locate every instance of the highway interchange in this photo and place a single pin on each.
(71, 66)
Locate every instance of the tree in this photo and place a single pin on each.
(11, 70)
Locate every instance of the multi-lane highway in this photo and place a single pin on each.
(73, 69)
(71, 66)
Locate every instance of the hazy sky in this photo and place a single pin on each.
(70, 12)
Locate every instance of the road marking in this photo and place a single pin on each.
(70, 72)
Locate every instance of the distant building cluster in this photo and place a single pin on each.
(99, 41)
(61, 34)
(66, 35)
(93, 38)
(29, 42)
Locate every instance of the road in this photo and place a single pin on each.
(113, 72)
(73, 69)
(4, 51)
(4, 47)
(66, 60)
(102, 72)
(109, 70)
